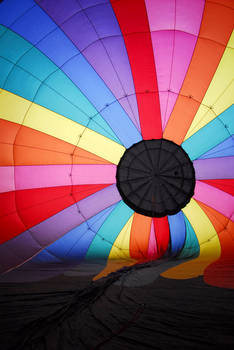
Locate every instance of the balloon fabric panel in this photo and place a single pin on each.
(135, 30)
(84, 85)
(209, 50)
(177, 232)
(77, 241)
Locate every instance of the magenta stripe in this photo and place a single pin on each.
(214, 198)
(30, 243)
(174, 35)
(214, 168)
(38, 176)
(7, 181)
(171, 74)
(152, 249)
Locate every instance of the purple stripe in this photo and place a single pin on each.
(108, 56)
(30, 243)
(214, 168)
(18, 250)
(61, 10)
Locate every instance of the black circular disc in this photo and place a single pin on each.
(155, 177)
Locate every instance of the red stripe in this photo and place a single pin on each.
(133, 22)
(226, 185)
(21, 210)
(162, 234)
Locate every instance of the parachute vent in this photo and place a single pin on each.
(155, 177)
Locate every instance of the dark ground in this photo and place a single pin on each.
(114, 313)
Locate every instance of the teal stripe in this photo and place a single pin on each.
(5, 68)
(65, 87)
(191, 247)
(2, 30)
(215, 132)
(37, 79)
(37, 64)
(22, 83)
(106, 236)
(12, 46)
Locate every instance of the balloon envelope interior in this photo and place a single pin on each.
(116, 136)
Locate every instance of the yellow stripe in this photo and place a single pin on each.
(119, 255)
(120, 249)
(12, 107)
(19, 110)
(210, 248)
(219, 95)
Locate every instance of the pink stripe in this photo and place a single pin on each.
(152, 249)
(62, 175)
(214, 198)
(7, 181)
(160, 14)
(174, 35)
(171, 75)
(188, 13)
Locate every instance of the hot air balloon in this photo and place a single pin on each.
(116, 136)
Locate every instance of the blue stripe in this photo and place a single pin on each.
(224, 149)
(34, 24)
(45, 84)
(73, 246)
(84, 76)
(45, 257)
(10, 10)
(177, 232)
(215, 132)
(56, 46)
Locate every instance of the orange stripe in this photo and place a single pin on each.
(32, 147)
(220, 222)
(112, 266)
(214, 34)
(221, 272)
(140, 234)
